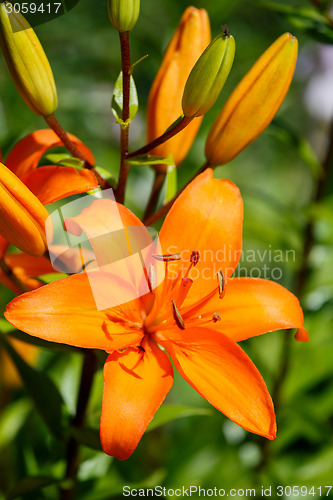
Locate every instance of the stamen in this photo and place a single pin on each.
(177, 316)
(151, 278)
(216, 317)
(184, 288)
(195, 257)
(148, 278)
(141, 348)
(221, 281)
(167, 257)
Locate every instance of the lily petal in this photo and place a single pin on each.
(26, 154)
(52, 183)
(206, 217)
(65, 311)
(222, 373)
(251, 307)
(121, 243)
(135, 385)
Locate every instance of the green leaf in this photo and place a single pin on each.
(105, 174)
(87, 436)
(41, 389)
(148, 159)
(168, 413)
(133, 66)
(29, 484)
(117, 100)
(171, 184)
(307, 19)
(13, 417)
(54, 346)
(57, 157)
(65, 160)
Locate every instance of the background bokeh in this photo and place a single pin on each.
(277, 175)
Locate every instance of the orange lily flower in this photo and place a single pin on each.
(165, 98)
(196, 316)
(47, 183)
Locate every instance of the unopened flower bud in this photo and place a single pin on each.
(22, 216)
(27, 62)
(254, 102)
(124, 14)
(208, 76)
(165, 97)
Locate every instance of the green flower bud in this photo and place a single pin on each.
(124, 14)
(27, 62)
(208, 76)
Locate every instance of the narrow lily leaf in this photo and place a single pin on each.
(12, 419)
(57, 157)
(65, 160)
(87, 436)
(117, 100)
(307, 19)
(54, 346)
(41, 389)
(30, 484)
(105, 174)
(133, 66)
(150, 160)
(168, 413)
(171, 184)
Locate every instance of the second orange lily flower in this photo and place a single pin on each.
(196, 316)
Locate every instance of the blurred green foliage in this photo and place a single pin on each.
(277, 176)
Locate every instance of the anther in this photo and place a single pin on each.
(151, 278)
(216, 317)
(141, 348)
(195, 256)
(177, 316)
(221, 282)
(167, 257)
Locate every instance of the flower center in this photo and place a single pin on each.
(168, 309)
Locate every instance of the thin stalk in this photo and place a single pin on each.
(155, 193)
(163, 210)
(72, 148)
(300, 285)
(124, 130)
(12, 276)
(173, 130)
(72, 456)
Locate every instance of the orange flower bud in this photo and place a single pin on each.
(27, 62)
(22, 216)
(165, 99)
(254, 102)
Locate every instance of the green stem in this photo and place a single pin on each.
(72, 456)
(179, 125)
(163, 210)
(124, 131)
(155, 193)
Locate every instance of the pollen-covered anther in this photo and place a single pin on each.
(221, 282)
(216, 317)
(167, 257)
(195, 257)
(177, 316)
